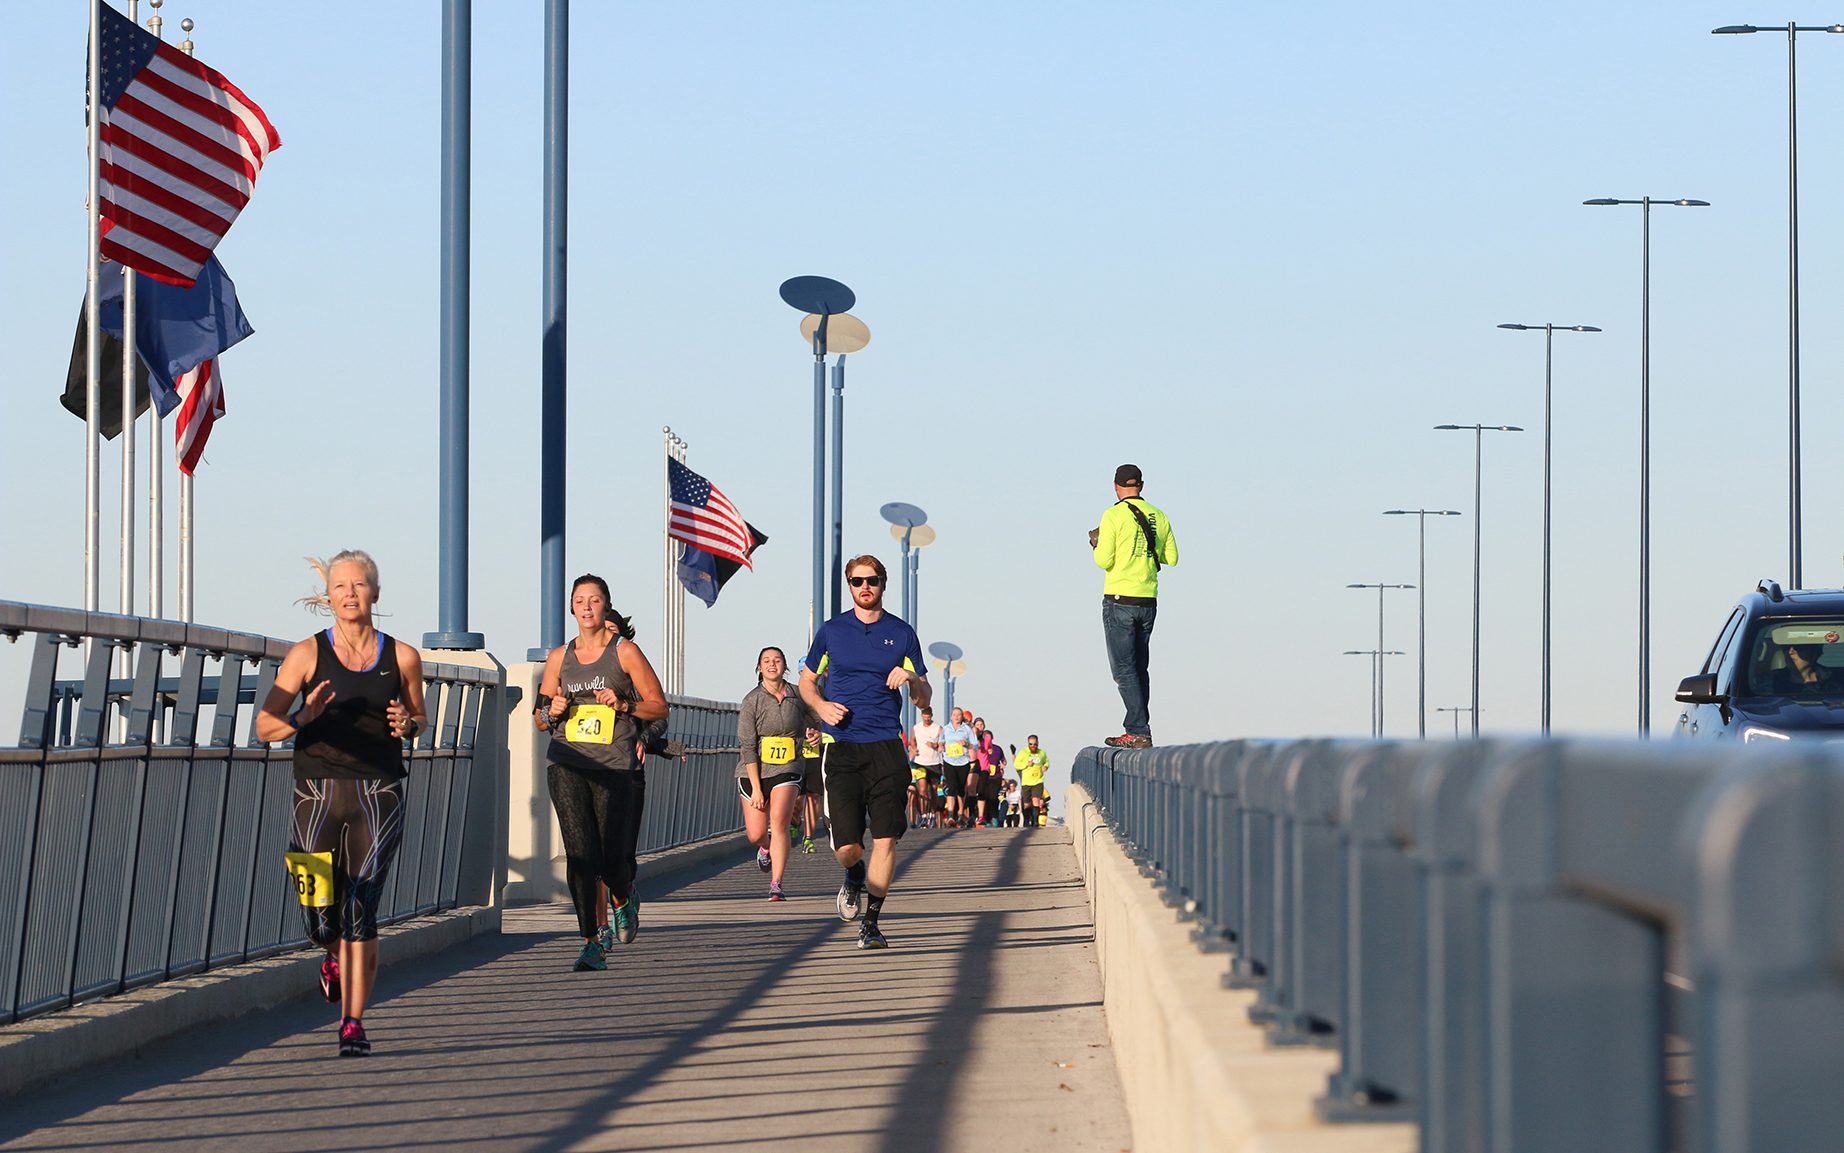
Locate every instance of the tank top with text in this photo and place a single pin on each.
(591, 735)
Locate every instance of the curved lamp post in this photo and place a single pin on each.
(1549, 340)
(1645, 204)
(1478, 431)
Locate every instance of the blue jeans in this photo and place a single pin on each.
(1128, 629)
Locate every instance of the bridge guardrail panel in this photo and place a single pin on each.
(1262, 804)
(1767, 952)
(1380, 1043)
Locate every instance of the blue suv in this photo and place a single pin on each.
(1775, 673)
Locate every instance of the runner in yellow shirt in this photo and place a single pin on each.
(1031, 765)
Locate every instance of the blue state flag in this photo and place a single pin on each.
(175, 328)
(703, 574)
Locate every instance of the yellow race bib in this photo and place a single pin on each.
(956, 749)
(777, 750)
(590, 725)
(313, 878)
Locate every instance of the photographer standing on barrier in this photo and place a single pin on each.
(1132, 543)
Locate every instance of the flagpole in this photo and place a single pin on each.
(92, 320)
(186, 508)
(156, 462)
(666, 573)
(678, 603)
(129, 358)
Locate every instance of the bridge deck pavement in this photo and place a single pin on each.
(729, 1022)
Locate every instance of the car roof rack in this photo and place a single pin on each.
(1772, 589)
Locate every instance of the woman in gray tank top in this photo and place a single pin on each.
(596, 692)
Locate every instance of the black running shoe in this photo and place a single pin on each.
(869, 937)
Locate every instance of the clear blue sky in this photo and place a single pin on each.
(1258, 254)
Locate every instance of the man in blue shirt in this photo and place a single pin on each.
(866, 656)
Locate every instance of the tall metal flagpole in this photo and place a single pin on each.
(666, 543)
(129, 358)
(678, 601)
(92, 322)
(186, 507)
(156, 463)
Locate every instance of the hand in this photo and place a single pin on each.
(832, 712)
(560, 705)
(898, 678)
(318, 698)
(608, 697)
(757, 801)
(399, 718)
(1094, 537)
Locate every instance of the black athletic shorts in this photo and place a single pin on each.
(812, 782)
(989, 788)
(1029, 793)
(957, 778)
(770, 783)
(866, 784)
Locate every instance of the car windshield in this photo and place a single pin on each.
(1796, 658)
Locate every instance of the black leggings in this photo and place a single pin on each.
(360, 822)
(599, 813)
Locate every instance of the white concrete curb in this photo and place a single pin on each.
(1196, 1073)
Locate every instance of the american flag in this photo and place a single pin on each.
(704, 518)
(203, 406)
(181, 147)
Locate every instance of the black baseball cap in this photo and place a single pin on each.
(1128, 474)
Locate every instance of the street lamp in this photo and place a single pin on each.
(949, 654)
(1549, 340)
(1378, 687)
(1793, 30)
(920, 537)
(1421, 516)
(1456, 711)
(1645, 440)
(817, 294)
(1376, 677)
(1478, 431)
(846, 334)
(904, 519)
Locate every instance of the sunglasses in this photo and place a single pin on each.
(859, 582)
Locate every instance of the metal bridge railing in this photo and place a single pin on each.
(142, 825)
(693, 796)
(1521, 946)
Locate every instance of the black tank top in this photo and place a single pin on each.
(352, 739)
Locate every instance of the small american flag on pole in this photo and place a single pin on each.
(181, 147)
(704, 518)
(203, 405)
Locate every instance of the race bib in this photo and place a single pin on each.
(956, 749)
(810, 751)
(777, 750)
(590, 725)
(313, 878)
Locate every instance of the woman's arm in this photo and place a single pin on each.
(407, 714)
(550, 687)
(273, 720)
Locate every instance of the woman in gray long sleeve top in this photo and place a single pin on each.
(769, 726)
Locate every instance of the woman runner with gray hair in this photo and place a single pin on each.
(361, 696)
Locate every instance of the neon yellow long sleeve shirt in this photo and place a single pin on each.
(1120, 549)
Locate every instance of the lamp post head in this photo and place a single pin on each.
(1583, 328)
(1520, 327)
(1604, 200)
(1688, 203)
(1734, 30)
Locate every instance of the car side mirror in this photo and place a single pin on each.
(1700, 690)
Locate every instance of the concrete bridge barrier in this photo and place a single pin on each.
(1519, 947)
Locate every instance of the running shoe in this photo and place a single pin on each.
(590, 960)
(626, 919)
(1128, 741)
(850, 901)
(806, 845)
(762, 860)
(352, 1039)
(775, 893)
(329, 979)
(870, 938)
(605, 937)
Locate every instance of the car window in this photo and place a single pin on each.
(1797, 657)
(1722, 641)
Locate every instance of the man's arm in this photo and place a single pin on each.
(827, 711)
(1168, 545)
(1104, 543)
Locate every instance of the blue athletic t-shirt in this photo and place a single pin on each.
(856, 659)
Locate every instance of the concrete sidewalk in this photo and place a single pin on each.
(728, 1022)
